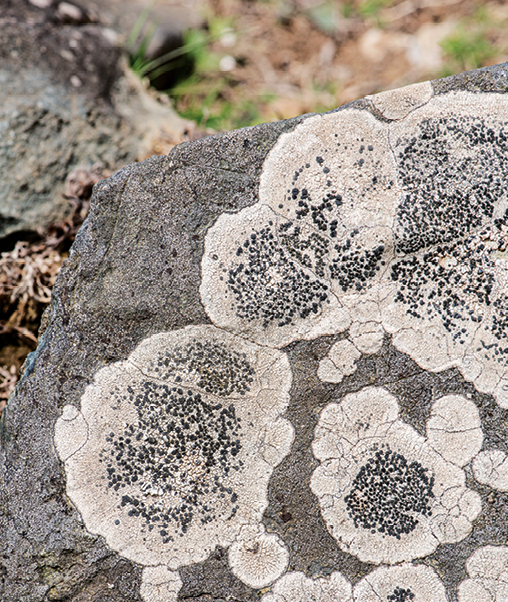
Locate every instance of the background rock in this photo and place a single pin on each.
(66, 99)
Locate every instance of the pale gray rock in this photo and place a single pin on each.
(135, 271)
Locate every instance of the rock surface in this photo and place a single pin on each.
(338, 498)
(64, 101)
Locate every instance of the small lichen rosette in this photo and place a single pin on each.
(257, 558)
(386, 493)
(487, 569)
(174, 447)
(490, 467)
(403, 583)
(296, 586)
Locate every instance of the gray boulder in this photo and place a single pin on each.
(66, 100)
(274, 366)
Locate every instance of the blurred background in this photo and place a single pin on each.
(89, 86)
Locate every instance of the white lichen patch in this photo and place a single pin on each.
(409, 215)
(159, 584)
(258, 558)
(334, 172)
(367, 337)
(386, 494)
(296, 586)
(397, 104)
(180, 442)
(71, 432)
(454, 429)
(488, 576)
(403, 583)
(491, 468)
(340, 361)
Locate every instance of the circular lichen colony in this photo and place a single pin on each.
(386, 493)
(296, 586)
(448, 303)
(487, 571)
(174, 463)
(402, 583)
(459, 223)
(389, 494)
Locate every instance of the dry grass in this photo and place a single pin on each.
(28, 273)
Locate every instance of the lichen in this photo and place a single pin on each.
(488, 576)
(174, 463)
(387, 494)
(296, 586)
(257, 558)
(490, 467)
(339, 362)
(409, 215)
(403, 583)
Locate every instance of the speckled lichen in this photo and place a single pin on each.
(387, 494)
(217, 369)
(409, 214)
(171, 463)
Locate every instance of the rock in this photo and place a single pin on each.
(66, 99)
(171, 437)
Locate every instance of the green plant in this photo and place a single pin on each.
(467, 49)
(370, 8)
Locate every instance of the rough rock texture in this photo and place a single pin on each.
(64, 101)
(135, 271)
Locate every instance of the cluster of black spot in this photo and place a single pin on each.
(400, 594)
(323, 213)
(354, 266)
(310, 251)
(500, 324)
(180, 450)
(389, 494)
(453, 172)
(268, 285)
(219, 370)
(459, 294)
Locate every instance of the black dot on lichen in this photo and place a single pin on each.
(401, 594)
(389, 494)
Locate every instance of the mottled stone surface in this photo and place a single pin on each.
(135, 270)
(64, 101)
